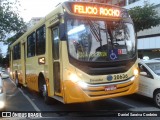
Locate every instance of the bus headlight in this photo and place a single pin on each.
(82, 84)
(11, 73)
(135, 72)
(133, 78)
(73, 77)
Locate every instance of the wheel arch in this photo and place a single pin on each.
(41, 81)
(155, 91)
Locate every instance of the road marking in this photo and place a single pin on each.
(34, 106)
(123, 103)
(12, 82)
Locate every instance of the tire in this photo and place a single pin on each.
(43, 91)
(45, 95)
(17, 82)
(157, 98)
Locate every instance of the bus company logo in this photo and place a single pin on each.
(6, 115)
(96, 80)
(109, 78)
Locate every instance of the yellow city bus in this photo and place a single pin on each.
(80, 52)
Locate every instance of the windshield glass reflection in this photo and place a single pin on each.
(95, 40)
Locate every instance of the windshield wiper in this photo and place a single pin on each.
(94, 31)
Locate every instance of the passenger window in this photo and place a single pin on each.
(16, 52)
(144, 71)
(55, 43)
(40, 40)
(31, 45)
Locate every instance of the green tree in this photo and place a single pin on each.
(12, 39)
(1, 57)
(10, 21)
(144, 17)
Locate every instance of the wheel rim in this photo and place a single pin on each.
(44, 90)
(158, 99)
(16, 81)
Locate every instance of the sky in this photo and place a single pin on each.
(33, 8)
(36, 8)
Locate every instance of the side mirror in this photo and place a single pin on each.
(143, 73)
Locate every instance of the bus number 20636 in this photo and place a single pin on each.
(121, 76)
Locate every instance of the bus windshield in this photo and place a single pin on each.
(100, 41)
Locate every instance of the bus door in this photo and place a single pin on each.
(11, 63)
(24, 63)
(56, 61)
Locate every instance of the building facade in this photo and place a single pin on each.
(148, 39)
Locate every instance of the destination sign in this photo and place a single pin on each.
(95, 10)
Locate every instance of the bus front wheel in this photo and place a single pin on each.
(43, 90)
(45, 94)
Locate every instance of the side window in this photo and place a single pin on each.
(31, 45)
(141, 67)
(16, 52)
(144, 71)
(40, 40)
(55, 41)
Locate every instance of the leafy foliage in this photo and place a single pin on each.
(10, 21)
(144, 17)
(1, 57)
(12, 39)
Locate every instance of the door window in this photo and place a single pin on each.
(55, 44)
(144, 71)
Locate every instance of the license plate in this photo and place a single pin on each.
(110, 88)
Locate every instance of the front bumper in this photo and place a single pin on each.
(76, 94)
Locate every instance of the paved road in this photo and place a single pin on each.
(22, 99)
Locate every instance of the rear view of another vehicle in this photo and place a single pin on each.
(3, 73)
(2, 95)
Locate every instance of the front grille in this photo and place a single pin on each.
(103, 68)
(99, 89)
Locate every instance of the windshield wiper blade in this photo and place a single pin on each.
(94, 31)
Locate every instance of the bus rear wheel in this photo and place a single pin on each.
(17, 82)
